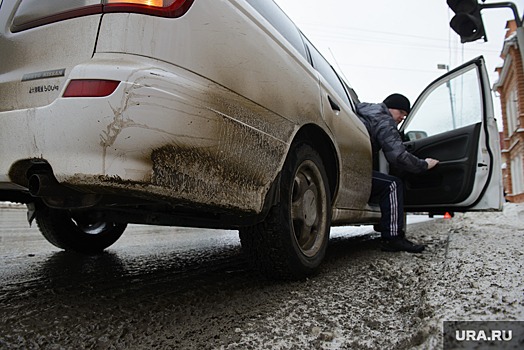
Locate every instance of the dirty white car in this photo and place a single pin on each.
(210, 114)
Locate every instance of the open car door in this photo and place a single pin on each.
(453, 121)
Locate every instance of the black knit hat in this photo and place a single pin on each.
(398, 101)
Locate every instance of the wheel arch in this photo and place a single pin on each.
(317, 138)
(322, 143)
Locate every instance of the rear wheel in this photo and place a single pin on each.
(79, 232)
(292, 241)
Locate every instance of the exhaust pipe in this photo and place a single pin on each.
(41, 185)
(56, 195)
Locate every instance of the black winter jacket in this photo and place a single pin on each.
(385, 135)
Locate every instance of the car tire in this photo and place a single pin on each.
(77, 233)
(292, 241)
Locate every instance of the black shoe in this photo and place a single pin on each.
(401, 244)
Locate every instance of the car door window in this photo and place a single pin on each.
(455, 103)
(327, 71)
(278, 19)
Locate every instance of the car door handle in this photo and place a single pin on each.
(333, 104)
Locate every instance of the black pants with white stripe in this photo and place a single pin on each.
(389, 192)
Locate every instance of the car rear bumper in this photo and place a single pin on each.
(164, 132)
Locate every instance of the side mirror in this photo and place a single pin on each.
(416, 135)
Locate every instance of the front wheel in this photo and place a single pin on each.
(292, 241)
(78, 232)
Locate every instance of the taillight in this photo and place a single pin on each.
(164, 8)
(90, 88)
(34, 13)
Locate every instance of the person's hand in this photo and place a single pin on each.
(431, 162)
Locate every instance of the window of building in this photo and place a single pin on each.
(517, 175)
(512, 111)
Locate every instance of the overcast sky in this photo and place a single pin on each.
(385, 46)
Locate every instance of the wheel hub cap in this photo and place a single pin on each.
(310, 210)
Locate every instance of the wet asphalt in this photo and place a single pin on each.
(174, 287)
(177, 288)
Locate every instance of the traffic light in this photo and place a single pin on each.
(467, 21)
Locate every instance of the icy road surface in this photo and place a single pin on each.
(174, 288)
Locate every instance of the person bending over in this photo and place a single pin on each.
(381, 120)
